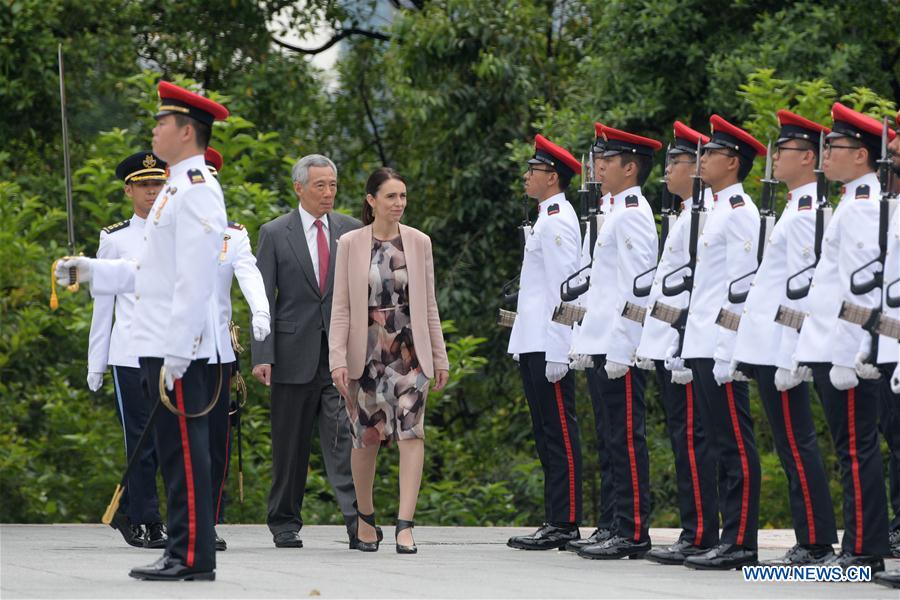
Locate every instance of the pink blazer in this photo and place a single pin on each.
(349, 333)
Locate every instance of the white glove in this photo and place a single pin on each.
(175, 367)
(895, 380)
(672, 362)
(645, 364)
(722, 372)
(863, 369)
(804, 373)
(843, 378)
(580, 362)
(786, 379)
(95, 381)
(682, 376)
(736, 373)
(261, 326)
(555, 371)
(515, 357)
(615, 370)
(81, 263)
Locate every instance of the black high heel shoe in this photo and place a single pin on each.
(402, 525)
(360, 544)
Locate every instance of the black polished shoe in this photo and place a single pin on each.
(362, 545)
(402, 525)
(894, 540)
(170, 569)
(676, 553)
(723, 557)
(615, 548)
(888, 578)
(598, 536)
(847, 559)
(132, 534)
(547, 537)
(354, 541)
(288, 539)
(156, 536)
(803, 554)
(221, 546)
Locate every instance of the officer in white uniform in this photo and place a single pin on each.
(175, 330)
(758, 345)
(831, 346)
(695, 465)
(551, 254)
(726, 251)
(626, 246)
(137, 518)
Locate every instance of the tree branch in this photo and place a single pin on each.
(337, 37)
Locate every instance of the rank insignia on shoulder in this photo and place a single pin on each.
(631, 201)
(862, 191)
(196, 176)
(117, 226)
(553, 209)
(235, 225)
(736, 201)
(805, 203)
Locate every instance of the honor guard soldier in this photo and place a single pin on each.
(626, 246)
(757, 348)
(830, 346)
(695, 465)
(726, 251)
(235, 260)
(174, 330)
(551, 253)
(583, 362)
(138, 518)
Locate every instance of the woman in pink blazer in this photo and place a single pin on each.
(385, 346)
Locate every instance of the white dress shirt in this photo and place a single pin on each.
(311, 232)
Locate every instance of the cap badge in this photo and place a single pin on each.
(149, 161)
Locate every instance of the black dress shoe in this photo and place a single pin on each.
(847, 559)
(889, 578)
(156, 536)
(288, 539)
(723, 557)
(170, 569)
(803, 554)
(676, 553)
(598, 536)
(221, 546)
(894, 540)
(547, 537)
(615, 548)
(132, 534)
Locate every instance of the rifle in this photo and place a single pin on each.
(509, 295)
(823, 216)
(871, 319)
(667, 218)
(766, 223)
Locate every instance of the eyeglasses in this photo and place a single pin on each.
(830, 147)
(722, 151)
(532, 169)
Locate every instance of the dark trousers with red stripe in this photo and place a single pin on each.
(889, 424)
(220, 440)
(726, 411)
(852, 417)
(627, 444)
(798, 450)
(182, 447)
(555, 427)
(695, 463)
(606, 509)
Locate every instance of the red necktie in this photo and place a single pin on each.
(322, 243)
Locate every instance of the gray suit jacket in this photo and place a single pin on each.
(300, 313)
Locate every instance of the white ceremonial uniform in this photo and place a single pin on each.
(605, 208)
(237, 260)
(759, 336)
(726, 250)
(888, 349)
(658, 336)
(175, 275)
(551, 255)
(850, 241)
(109, 339)
(626, 247)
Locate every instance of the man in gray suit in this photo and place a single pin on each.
(296, 255)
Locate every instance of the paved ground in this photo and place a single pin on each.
(91, 561)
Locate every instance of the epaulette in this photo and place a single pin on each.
(631, 201)
(196, 176)
(804, 203)
(553, 209)
(117, 226)
(736, 201)
(235, 225)
(862, 191)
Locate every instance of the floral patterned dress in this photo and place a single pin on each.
(388, 401)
